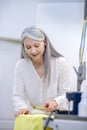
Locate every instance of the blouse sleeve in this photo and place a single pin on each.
(64, 84)
(19, 98)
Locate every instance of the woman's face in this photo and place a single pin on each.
(34, 49)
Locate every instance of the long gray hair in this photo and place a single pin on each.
(37, 34)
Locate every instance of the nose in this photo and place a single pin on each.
(33, 50)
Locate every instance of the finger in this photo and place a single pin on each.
(25, 112)
(21, 112)
(51, 107)
(16, 114)
(46, 105)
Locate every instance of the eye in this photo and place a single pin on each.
(27, 47)
(36, 45)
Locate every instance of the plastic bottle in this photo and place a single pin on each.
(82, 109)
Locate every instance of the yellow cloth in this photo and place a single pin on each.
(29, 122)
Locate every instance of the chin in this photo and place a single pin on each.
(35, 59)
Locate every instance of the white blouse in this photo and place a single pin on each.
(30, 90)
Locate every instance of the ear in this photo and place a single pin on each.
(45, 43)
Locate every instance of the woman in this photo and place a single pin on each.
(41, 76)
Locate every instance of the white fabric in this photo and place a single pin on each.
(30, 90)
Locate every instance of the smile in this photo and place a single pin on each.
(35, 55)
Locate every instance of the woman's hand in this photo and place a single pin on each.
(50, 105)
(22, 111)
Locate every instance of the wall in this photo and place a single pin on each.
(62, 22)
(9, 54)
(15, 15)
